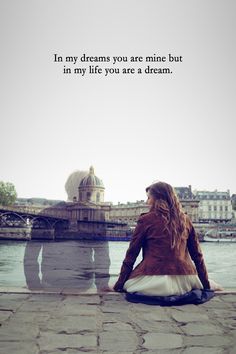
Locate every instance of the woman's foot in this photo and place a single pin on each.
(215, 286)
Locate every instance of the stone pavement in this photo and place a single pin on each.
(36, 323)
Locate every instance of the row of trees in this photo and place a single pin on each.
(8, 193)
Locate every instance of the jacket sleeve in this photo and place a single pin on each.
(132, 253)
(197, 257)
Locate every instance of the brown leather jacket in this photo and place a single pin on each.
(159, 258)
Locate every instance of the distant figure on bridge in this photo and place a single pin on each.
(66, 265)
(172, 270)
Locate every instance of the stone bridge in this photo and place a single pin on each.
(30, 222)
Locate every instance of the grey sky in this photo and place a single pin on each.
(178, 128)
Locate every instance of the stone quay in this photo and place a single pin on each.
(69, 322)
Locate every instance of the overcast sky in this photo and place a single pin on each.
(134, 129)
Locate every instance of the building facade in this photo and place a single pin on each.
(129, 212)
(189, 202)
(214, 206)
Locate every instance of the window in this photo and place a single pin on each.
(88, 195)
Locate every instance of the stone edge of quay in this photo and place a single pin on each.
(68, 292)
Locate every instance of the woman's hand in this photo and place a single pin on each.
(108, 289)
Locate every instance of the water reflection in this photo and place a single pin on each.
(220, 259)
(66, 265)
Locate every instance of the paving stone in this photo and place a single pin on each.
(208, 341)
(39, 306)
(83, 288)
(222, 313)
(162, 341)
(157, 314)
(47, 290)
(186, 308)
(141, 307)
(73, 310)
(115, 352)
(117, 326)
(70, 351)
(228, 298)
(113, 309)
(121, 342)
(52, 341)
(30, 317)
(9, 331)
(46, 298)
(219, 304)
(83, 299)
(232, 350)
(233, 332)
(159, 327)
(228, 323)
(186, 317)
(70, 324)
(115, 317)
(216, 298)
(13, 297)
(201, 329)
(160, 351)
(4, 315)
(22, 347)
(10, 305)
(205, 350)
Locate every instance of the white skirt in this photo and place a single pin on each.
(163, 285)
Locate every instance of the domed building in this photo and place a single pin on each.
(91, 188)
(88, 214)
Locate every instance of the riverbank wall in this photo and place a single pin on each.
(26, 234)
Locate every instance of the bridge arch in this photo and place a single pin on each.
(58, 223)
(12, 219)
(40, 222)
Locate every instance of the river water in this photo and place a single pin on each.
(86, 265)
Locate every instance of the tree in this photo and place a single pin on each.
(7, 193)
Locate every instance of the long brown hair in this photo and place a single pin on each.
(167, 203)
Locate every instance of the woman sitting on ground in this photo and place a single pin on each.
(169, 246)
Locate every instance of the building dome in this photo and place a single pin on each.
(91, 188)
(91, 180)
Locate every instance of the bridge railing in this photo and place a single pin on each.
(49, 211)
